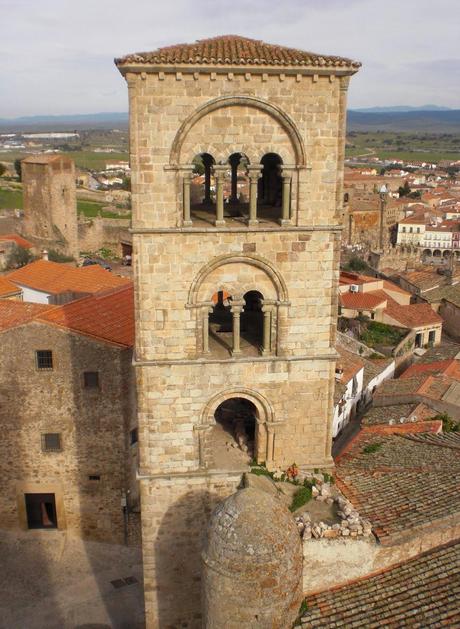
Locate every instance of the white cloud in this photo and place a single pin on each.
(57, 55)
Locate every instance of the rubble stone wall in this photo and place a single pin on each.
(92, 424)
(328, 563)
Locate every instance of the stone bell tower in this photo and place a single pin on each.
(237, 153)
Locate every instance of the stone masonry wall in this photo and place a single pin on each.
(177, 269)
(92, 424)
(50, 207)
(160, 104)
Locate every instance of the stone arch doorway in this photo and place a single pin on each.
(231, 441)
(237, 427)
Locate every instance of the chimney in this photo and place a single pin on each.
(44, 254)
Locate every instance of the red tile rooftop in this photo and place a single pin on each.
(412, 315)
(107, 316)
(19, 240)
(14, 313)
(235, 50)
(7, 288)
(53, 278)
(400, 479)
(362, 301)
(421, 592)
(446, 367)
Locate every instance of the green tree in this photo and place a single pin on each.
(404, 190)
(18, 257)
(355, 264)
(18, 168)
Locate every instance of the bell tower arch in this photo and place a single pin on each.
(236, 151)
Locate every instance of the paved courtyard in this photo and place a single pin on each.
(50, 580)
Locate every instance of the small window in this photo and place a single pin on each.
(133, 436)
(95, 477)
(44, 359)
(91, 379)
(41, 511)
(51, 442)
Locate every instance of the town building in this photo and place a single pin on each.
(68, 455)
(236, 306)
(388, 303)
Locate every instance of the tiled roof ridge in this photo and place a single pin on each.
(71, 308)
(382, 571)
(31, 312)
(440, 444)
(430, 426)
(235, 50)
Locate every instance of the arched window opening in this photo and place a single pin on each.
(346, 197)
(203, 187)
(270, 187)
(237, 191)
(221, 324)
(232, 441)
(252, 321)
(233, 327)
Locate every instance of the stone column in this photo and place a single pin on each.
(207, 163)
(219, 173)
(236, 313)
(270, 442)
(186, 182)
(254, 173)
(286, 175)
(207, 310)
(267, 330)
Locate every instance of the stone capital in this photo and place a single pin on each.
(186, 170)
(220, 171)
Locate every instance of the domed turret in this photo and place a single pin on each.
(252, 562)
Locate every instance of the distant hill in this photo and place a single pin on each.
(399, 108)
(70, 122)
(439, 121)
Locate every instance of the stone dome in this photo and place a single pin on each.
(252, 561)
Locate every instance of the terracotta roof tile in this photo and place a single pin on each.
(13, 313)
(106, 316)
(412, 315)
(54, 278)
(19, 240)
(7, 288)
(400, 480)
(362, 301)
(421, 592)
(382, 415)
(236, 50)
(447, 367)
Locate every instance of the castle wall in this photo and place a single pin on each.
(50, 207)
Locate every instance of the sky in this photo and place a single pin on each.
(57, 55)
